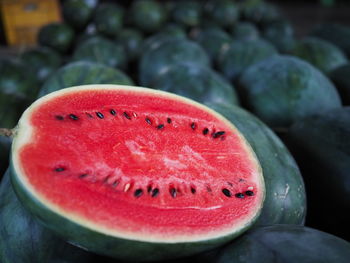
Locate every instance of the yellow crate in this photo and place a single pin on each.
(22, 19)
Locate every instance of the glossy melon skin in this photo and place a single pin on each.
(83, 73)
(283, 89)
(245, 31)
(101, 50)
(321, 146)
(77, 13)
(285, 201)
(322, 54)
(187, 13)
(24, 240)
(196, 82)
(223, 12)
(108, 19)
(169, 52)
(109, 245)
(280, 34)
(286, 243)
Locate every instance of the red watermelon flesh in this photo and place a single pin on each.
(138, 164)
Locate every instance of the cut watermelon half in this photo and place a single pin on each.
(135, 173)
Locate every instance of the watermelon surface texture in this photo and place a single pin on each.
(83, 73)
(288, 244)
(135, 172)
(23, 240)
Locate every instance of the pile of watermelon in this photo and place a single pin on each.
(176, 131)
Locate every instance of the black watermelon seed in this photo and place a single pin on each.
(126, 115)
(138, 192)
(205, 131)
(249, 193)
(73, 117)
(226, 192)
(193, 190)
(83, 175)
(149, 189)
(59, 169)
(148, 121)
(59, 117)
(172, 192)
(155, 192)
(160, 126)
(100, 115)
(115, 183)
(218, 134)
(168, 120)
(113, 112)
(239, 195)
(193, 126)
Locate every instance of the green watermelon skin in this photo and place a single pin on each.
(77, 13)
(213, 40)
(283, 89)
(245, 31)
(169, 52)
(285, 200)
(83, 73)
(18, 89)
(42, 61)
(23, 240)
(108, 19)
(320, 144)
(224, 13)
(147, 15)
(196, 82)
(101, 50)
(337, 34)
(340, 77)
(187, 13)
(58, 36)
(280, 34)
(241, 54)
(288, 244)
(131, 39)
(259, 12)
(322, 54)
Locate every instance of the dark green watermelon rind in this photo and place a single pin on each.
(23, 240)
(83, 73)
(288, 244)
(100, 243)
(285, 197)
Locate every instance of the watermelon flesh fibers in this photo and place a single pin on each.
(137, 164)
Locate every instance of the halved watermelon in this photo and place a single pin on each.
(135, 173)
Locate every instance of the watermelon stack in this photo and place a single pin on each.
(255, 115)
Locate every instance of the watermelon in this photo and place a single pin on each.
(322, 54)
(17, 89)
(288, 244)
(337, 34)
(101, 50)
(187, 13)
(196, 82)
(77, 13)
(172, 51)
(108, 19)
(283, 89)
(285, 201)
(260, 12)
(280, 34)
(147, 15)
(82, 73)
(199, 197)
(213, 40)
(23, 240)
(240, 54)
(321, 147)
(58, 36)
(41, 61)
(245, 31)
(340, 77)
(131, 39)
(224, 13)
